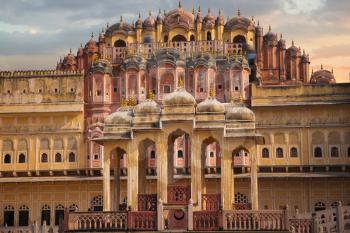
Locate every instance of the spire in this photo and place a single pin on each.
(281, 36)
(252, 17)
(107, 25)
(332, 70)
(312, 70)
(208, 11)
(92, 35)
(193, 10)
(238, 12)
(199, 8)
(241, 98)
(121, 19)
(81, 44)
(139, 15)
(180, 6)
(292, 42)
(258, 23)
(321, 67)
(269, 28)
(149, 13)
(70, 50)
(159, 12)
(219, 12)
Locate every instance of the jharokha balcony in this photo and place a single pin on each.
(217, 47)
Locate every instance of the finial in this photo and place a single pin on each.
(164, 12)
(150, 95)
(123, 102)
(149, 13)
(132, 101)
(238, 12)
(281, 36)
(107, 25)
(81, 45)
(139, 15)
(258, 23)
(180, 83)
(180, 4)
(199, 8)
(241, 98)
(321, 67)
(92, 35)
(303, 51)
(121, 18)
(332, 70)
(252, 17)
(312, 70)
(70, 50)
(193, 10)
(103, 30)
(208, 11)
(219, 11)
(211, 92)
(159, 12)
(269, 28)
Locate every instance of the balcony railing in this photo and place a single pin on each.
(142, 221)
(216, 47)
(207, 220)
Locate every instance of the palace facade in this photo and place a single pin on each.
(174, 120)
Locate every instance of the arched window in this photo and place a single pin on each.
(211, 154)
(265, 153)
(73, 208)
(97, 203)
(153, 154)
(59, 214)
(44, 158)
(334, 152)
(45, 214)
(319, 206)
(21, 158)
(208, 35)
(179, 38)
(293, 152)
(9, 215)
(239, 39)
(71, 157)
(7, 158)
(279, 152)
(58, 158)
(23, 215)
(180, 154)
(192, 38)
(318, 152)
(119, 43)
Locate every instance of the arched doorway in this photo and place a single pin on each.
(178, 38)
(119, 43)
(239, 39)
(192, 38)
(120, 169)
(208, 35)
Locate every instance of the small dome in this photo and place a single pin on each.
(138, 23)
(220, 19)
(160, 18)
(179, 97)
(210, 105)
(239, 113)
(146, 107)
(91, 45)
(149, 22)
(293, 50)
(123, 116)
(209, 19)
(322, 77)
(239, 22)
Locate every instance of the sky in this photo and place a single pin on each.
(34, 34)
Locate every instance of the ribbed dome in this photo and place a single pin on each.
(149, 22)
(239, 113)
(210, 105)
(123, 116)
(179, 97)
(322, 77)
(91, 45)
(147, 106)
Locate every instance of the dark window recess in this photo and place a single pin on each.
(115, 89)
(220, 86)
(318, 152)
(59, 215)
(294, 152)
(7, 158)
(44, 158)
(211, 154)
(279, 152)
(265, 153)
(23, 217)
(71, 157)
(45, 216)
(9, 217)
(180, 154)
(153, 154)
(22, 158)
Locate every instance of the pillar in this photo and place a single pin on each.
(116, 201)
(227, 179)
(196, 170)
(162, 167)
(254, 182)
(132, 158)
(106, 183)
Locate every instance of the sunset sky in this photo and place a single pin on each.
(35, 33)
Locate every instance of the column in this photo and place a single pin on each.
(254, 181)
(162, 167)
(227, 179)
(106, 183)
(196, 171)
(132, 157)
(116, 201)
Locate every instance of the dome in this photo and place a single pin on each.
(119, 27)
(322, 77)
(239, 113)
(209, 19)
(220, 19)
(210, 105)
(239, 22)
(123, 115)
(91, 45)
(149, 22)
(293, 50)
(70, 59)
(146, 107)
(160, 18)
(179, 18)
(138, 23)
(270, 36)
(179, 97)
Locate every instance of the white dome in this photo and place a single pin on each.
(210, 105)
(239, 112)
(122, 116)
(147, 106)
(179, 97)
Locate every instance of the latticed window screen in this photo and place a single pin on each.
(97, 203)
(46, 214)
(23, 215)
(241, 198)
